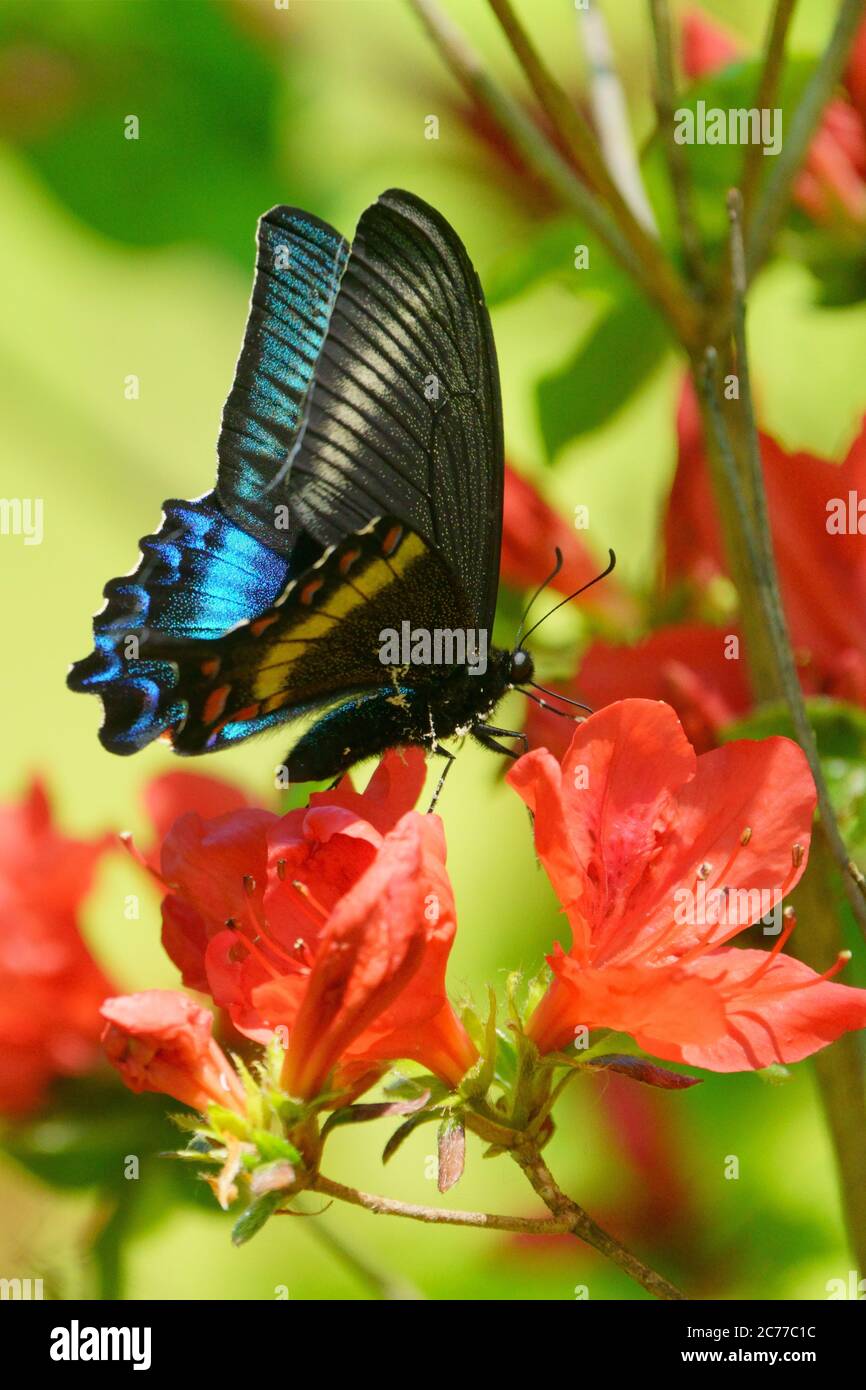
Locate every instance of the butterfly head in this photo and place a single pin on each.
(522, 668)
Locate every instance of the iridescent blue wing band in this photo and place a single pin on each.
(199, 576)
(298, 270)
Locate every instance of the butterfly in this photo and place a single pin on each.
(356, 515)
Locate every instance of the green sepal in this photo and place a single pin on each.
(274, 1146)
(226, 1121)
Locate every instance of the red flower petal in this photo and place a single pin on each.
(685, 666)
(788, 1012)
(531, 534)
(644, 1002)
(51, 985)
(706, 46)
(171, 795)
(160, 1040)
(372, 946)
(392, 790)
(599, 817)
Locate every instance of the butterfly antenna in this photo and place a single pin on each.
(557, 696)
(582, 590)
(563, 714)
(540, 590)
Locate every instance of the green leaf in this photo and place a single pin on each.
(214, 109)
(86, 1132)
(479, 1078)
(410, 1087)
(617, 357)
(837, 264)
(714, 169)
(253, 1219)
(550, 255)
(274, 1146)
(506, 1058)
(422, 1117)
(226, 1121)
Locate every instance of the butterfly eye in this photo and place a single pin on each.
(521, 665)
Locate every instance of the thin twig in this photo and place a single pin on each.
(659, 280)
(581, 1224)
(665, 89)
(470, 72)
(567, 1219)
(755, 527)
(765, 100)
(769, 580)
(838, 1069)
(564, 116)
(610, 116)
(441, 1216)
(773, 202)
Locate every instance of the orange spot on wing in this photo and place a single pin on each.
(310, 590)
(215, 704)
(265, 621)
(348, 559)
(248, 712)
(392, 539)
(209, 668)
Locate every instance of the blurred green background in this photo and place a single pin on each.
(125, 257)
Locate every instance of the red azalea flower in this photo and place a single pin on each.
(172, 794)
(686, 666)
(332, 923)
(833, 178)
(160, 1040)
(532, 532)
(51, 985)
(820, 556)
(659, 858)
(706, 46)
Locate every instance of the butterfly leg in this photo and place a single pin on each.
(484, 734)
(450, 761)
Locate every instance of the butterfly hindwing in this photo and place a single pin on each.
(321, 639)
(198, 576)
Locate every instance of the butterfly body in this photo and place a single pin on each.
(397, 716)
(358, 496)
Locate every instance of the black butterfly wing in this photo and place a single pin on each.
(366, 386)
(405, 414)
(319, 642)
(299, 264)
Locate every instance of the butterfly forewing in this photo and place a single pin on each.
(405, 414)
